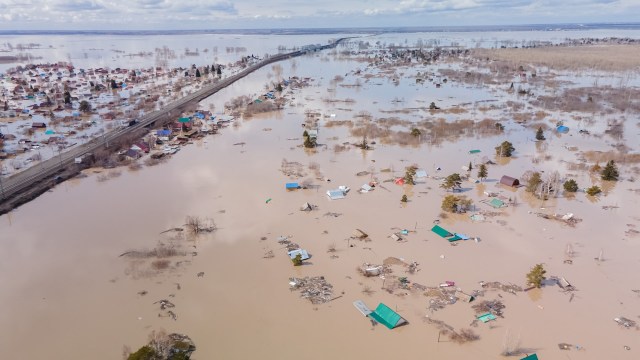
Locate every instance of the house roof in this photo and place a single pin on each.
(387, 317)
(530, 357)
(292, 185)
(508, 180)
(440, 231)
(496, 203)
(303, 254)
(335, 194)
(487, 317)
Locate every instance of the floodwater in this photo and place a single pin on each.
(65, 287)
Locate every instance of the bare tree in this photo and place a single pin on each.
(196, 224)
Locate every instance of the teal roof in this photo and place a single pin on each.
(440, 231)
(496, 203)
(387, 317)
(530, 357)
(474, 151)
(486, 317)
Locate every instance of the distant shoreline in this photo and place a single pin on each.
(312, 31)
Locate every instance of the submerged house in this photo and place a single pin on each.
(387, 317)
(38, 125)
(382, 314)
(304, 255)
(292, 186)
(497, 203)
(509, 181)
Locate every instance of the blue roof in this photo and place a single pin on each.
(163, 132)
(562, 129)
(293, 185)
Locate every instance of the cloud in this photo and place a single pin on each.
(197, 14)
(77, 5)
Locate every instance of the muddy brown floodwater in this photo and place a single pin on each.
(67, 294)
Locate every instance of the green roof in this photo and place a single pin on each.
(496, 203)
(440, 231)
(184, 120)
(454, 238)
(387, 317)
(530, 357)
(486, 317)
(474, 151)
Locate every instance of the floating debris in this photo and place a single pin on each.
(316, 289)
(492, 306)
(565, 346)
(511, 288)
(370, 270)
(332, 214)
(623, 321)
(165, 304)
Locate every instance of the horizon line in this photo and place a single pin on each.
(437, 28)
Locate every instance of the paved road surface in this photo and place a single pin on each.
(19, 182)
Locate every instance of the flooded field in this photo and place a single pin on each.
(76, 282)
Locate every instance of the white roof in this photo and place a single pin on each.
(335, 194)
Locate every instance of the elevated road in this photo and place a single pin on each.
(13, 185)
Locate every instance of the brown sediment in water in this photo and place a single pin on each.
(66, 283)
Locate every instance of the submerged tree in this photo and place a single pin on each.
(610, 171)
(570, 186)
(85, 106)
(163, 346)
(452, 182)
(540, 134)
(536, 276)
(533, 182)
(482, 172)
(453, 203)
(505, 149)
(310, 142)
(297, 260)
(409, 175)
(594, 190)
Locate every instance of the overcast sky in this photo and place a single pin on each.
(253, 14)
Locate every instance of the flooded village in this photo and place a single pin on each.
(410, 194)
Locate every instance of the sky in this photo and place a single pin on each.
(267, 14)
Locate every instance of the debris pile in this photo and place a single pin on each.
(369, 270)
(462, 336)
(510, 288)
(568, 218)
(492, 306)
(441, 297)
(316, 289)
(165, 305)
